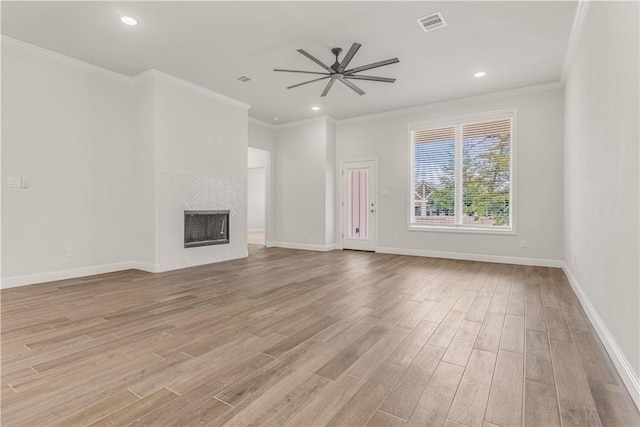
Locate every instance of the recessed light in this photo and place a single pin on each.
(315, 108)
(480, 74)
(276, 118)
(129, 20)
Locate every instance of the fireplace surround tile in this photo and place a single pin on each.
(179, 192)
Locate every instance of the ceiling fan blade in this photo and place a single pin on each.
(307, 82)
(300, 71)
(349, 56)
(328, 87)
(372, 78)
(352, 86)
(316, 60)
(374, 65)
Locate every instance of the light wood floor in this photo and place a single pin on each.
(304, 338)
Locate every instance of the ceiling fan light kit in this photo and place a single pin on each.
(338, 71)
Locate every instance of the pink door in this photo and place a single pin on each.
(358, 204)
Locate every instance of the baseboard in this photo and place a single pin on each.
(146, 266)
(629, 377)
(540, 262)
(31, 279)
(302, 246)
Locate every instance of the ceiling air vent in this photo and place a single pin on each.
(431, 22)
(245, 79)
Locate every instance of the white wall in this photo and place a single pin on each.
(262, 135)
(331, 184)
(538, 190)
(70, 129)
(601, 179)
(145, 221)
(113, 163)
(201, 144)
(301, 183)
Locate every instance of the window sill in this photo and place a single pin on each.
(463, 229)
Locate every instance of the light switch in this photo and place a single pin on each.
(14, 182)
(25, 182)
(384, 193)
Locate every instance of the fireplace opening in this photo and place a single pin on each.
(203, 228)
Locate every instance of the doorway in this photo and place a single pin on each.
(257, 173)
(359, 205)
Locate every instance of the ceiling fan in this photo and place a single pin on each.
(338, 70)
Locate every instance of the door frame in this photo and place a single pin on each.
(268, 217)
(373, 224)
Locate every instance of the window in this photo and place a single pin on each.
(461, 174)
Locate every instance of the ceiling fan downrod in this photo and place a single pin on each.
(336, 52)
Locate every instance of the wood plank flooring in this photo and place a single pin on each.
(297, 338)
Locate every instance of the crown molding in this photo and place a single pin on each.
(458, 101)
(574, 38)
(64, 59)
(304, 122)
(189, 86)
(261, 123)
(142, 77)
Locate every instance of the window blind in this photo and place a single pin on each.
(462, 175)
(486, 148)
(434, 175)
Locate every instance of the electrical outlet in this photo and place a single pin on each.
(305, 234)
(69, 252)
(523, 243)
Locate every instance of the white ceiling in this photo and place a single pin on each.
(518, 44)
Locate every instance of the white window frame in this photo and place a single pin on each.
(458, 122)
